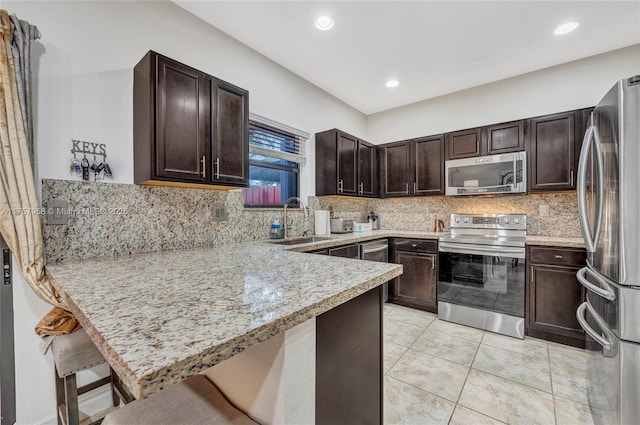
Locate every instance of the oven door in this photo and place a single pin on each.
(484, 277)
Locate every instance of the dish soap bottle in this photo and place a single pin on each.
(275, 229)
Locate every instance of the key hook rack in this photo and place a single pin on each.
(88, 148)
(81, 167)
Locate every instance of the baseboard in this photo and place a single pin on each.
(90, 403)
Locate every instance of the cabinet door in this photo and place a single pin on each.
(230, 140)
(506, 137)
(366, 169)
(464, 144)
(416, 287)
(552, 157)
(347, 164)
(553, 295)
(429, 166)
(396, 175)
(181, 122)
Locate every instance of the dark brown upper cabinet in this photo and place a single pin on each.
(488, 140)
(413, 167)
(503, 138)
(464, 143)
(395, 167)
(553, 146)
(230, 141)
(345, 165)
(190, 129)
(429, 165)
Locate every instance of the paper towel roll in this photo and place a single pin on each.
(322, 222)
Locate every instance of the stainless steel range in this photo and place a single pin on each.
(481, 277)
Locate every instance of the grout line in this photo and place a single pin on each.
(553, 396)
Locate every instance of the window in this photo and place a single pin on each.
(275, 155)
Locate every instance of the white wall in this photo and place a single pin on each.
(564, 87)
(83, 81)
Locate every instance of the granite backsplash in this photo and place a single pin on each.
(419, 213)
(113, 219)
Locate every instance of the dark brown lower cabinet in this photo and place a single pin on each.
(554, 294)
(416, 287)
(349, 362)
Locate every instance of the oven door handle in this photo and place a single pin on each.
(481, 250)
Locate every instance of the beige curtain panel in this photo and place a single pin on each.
(23, 231)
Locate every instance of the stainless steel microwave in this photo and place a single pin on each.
(493, 174)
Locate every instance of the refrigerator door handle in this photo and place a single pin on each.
(606, 344)
(591, 138)
(604, 293)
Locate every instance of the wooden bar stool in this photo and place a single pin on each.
(196, 401)
(73, 353)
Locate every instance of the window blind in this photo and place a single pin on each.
(270, 138)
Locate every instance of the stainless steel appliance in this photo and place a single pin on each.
(376, 251)
(481, 274)
(341, 225)
(609, 204)
(7, 356)
(493, 174)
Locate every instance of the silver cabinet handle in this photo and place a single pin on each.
(203, 162)
(361, 188)
(414, 245)
(571, 178)
(604, 293)
(340, 185)
(217, 168)
(559, 257)
(406, 188)
(415, 188)
(433, 262)
(606, 344)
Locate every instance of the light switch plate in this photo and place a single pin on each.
(544, 210)
(57, 212)
(220, 213)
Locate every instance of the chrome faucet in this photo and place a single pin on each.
(286, 204)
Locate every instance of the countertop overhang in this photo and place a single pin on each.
(161, 317)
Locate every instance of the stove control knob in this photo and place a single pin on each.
(506, 221)
(457, 219)
(466, 220)
(516, 221)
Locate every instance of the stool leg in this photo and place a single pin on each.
(60, 400)
(71, 396)
(114, 393)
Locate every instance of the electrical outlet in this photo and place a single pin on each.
(544, 210)
(220, 213)
(57, 212)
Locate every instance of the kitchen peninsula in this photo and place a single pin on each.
(159, 318)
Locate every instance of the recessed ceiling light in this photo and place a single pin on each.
(392, 83)
(566, 28)
(324, 23)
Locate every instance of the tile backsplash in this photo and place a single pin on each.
(419, 213)
(116, 219)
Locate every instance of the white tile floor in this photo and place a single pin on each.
(438, 372)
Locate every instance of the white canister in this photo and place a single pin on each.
(323, 224)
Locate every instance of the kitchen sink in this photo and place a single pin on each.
(298, 241)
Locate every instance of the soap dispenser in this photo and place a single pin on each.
(276, 230)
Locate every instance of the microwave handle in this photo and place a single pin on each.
(515, 170)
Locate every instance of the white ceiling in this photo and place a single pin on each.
(431, 47)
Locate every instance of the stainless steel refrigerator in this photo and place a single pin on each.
(609, 206)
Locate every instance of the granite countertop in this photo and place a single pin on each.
(159, 318)
(348, 238)
(555, 241)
